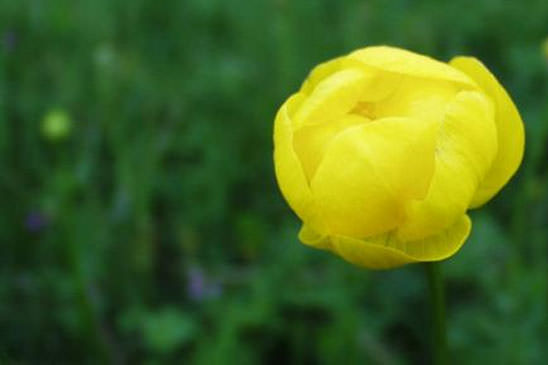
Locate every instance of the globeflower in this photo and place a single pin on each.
(382, 152)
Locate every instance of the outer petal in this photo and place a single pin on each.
(379, 84)
(387, 251)
(311, 141)
(289, 173)
(401, 61)
(511, 138)
(310, 237)
(332, 98)
(467, 145)
(376, 166)
(320, 72)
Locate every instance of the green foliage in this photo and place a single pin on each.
(153, 232)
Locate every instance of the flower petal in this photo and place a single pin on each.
(311, 141)
(401, 61)
(466, 147)
(332, 98)
(319, 73)
(368, 171)
(387, 251)
(310, 237)
(419, 98)
(510, 131)
(289, 173)
(379, 84)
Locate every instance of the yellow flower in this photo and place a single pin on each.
(382, 152)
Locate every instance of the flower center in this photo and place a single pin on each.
(364, 109)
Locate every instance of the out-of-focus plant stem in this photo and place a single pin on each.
(437, 311)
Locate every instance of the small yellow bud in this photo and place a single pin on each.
(544, 47)
(56, 124)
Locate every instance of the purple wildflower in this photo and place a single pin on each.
(36, 221)
(200, 287)
(9, 39)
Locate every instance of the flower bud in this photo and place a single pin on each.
(544, 48)
(382, 152)
(56, 125)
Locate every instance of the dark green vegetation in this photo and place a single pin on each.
(154, 232)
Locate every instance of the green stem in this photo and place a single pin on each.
(437, 310)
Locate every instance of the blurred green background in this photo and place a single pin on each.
(140, 222)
